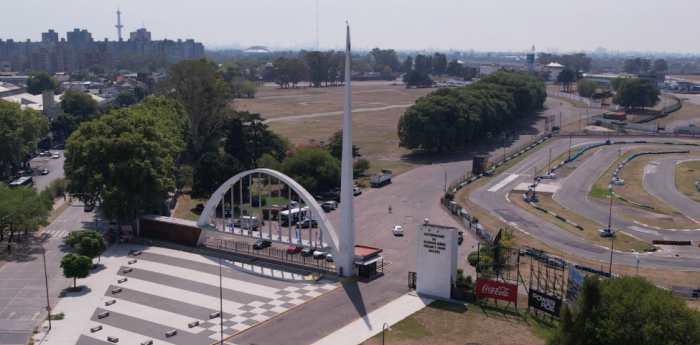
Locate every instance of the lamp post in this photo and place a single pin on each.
(570, 146)
(46, 279)
(534, 189)
(444, 190)
(549, 165)
(579, 123)
(637, 255)
(221, 300)
(387, 327)
(504, 145)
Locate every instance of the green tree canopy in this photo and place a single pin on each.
(633, 65)
(97, 69)
(660, 65)
(76, 266)
(360, 166)
(314, 168)
(87, 243)
(317, 63)
(416, 78)
(126, 99)
(66, 124)
(586, 88)
(529, 93)
(80, 105)
(80, 75)
(566, 77)
(22, 209)
(203, 94)
(185, 177)
(385, 57)
(637, 93)
(140, 93)
(615, 83)
(42, 81)
(249, 88)
(439, 64)
(407, 65)
(248, 138)
(20, 129)
(454, 69)
(211, 171)
(627, 310)
(335, 146)
(125, 160)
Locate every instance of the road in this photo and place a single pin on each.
(659, 181)
(573, 195)
(55, 167)
(22, 283)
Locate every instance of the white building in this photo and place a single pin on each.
(554, 70)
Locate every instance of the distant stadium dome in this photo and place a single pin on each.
(257, 49)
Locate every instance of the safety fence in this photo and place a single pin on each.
(697, 184)
(575, 98)
(617, 134)
(672, 243)
(561, 262)
(622, 165)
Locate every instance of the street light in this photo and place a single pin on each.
(444, 190)
(579, 123)
(504, 145)
(637, 255)
(385, 326)
(46, 279)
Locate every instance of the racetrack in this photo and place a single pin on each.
(659, 182)
(573, 194)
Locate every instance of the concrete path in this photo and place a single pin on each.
(370, 325)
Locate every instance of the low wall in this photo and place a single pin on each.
(575, 98)
(170, 229)
(628, 125)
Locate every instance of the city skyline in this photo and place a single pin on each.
(624, 25)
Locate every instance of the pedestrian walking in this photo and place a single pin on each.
(389, 208)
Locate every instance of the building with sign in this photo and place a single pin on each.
(437, 259)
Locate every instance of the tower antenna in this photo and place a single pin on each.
(119, 25)
(317, 25)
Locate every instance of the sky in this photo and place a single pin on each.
(495, 25)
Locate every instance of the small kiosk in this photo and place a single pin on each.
(366, 259)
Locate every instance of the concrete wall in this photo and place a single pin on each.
(437, 260)
(629, 125)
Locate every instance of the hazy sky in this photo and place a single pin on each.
(495, 25)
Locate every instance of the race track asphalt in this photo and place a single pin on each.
(659, 182)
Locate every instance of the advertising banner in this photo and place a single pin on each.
(573, 288)
(543, 302)
(492, 289)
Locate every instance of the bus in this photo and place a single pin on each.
(25, 181)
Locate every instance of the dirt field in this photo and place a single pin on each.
(689, 111)
(685, 179)
(662, 216)
(444, 323)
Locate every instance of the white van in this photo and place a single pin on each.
(250, 223)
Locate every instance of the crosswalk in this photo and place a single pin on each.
(66, 233)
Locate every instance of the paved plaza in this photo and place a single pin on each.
(168, 290)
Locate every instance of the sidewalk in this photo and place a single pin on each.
(366, 327)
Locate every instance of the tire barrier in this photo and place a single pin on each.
(493, 169)
(672, 243)
(697, 184)
(615, 180)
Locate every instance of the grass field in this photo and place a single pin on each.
(623, 242)
(688, 111)
(662, 215)
(446, 323)
(685, 179)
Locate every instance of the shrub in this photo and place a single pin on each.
(598, 122)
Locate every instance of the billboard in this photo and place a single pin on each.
(492, 289)
(544, 302)
(573, 288)
(550, 119)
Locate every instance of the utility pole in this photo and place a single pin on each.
(570, 145)
(46, 279)
(534, 189)
(549, 165)
(504, 145)
(579, 123)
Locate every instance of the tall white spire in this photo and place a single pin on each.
(119, 25)
(347, 207)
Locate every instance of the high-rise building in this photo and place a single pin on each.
(50, 36)
(102, 58)
(79, 36)
(140, 35)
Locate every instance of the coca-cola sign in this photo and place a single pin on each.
(492, 289)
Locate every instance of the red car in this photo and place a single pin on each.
(294, 249)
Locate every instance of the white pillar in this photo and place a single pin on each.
(346, 255)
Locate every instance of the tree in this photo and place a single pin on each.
(439, 64)
(126, 99)
(268, 162)
(249, 89)
(203, 94)
(586, 88)
(22, 209)
(420, 63)
(637, 93)
(385, 58)
(317, 63)
(415, 78)
(335, 146)
(185, 177)
(528, 92)
(76, 266)
(80, 75)
(407, 65)
(602, 95)
(248, 138)
(87, 243)
(42, 81)
(360, 166)
(660, 65)
(633, 65)
(20, 130)
(454, 69)
(66, 124)
(125, 160)
(80, 105)
(627, 310)
(615, 83)
(646, 64)
(211, 171)
(386, 72)
(97, 69)
(140, 93)
(314, 168)
(566, 77)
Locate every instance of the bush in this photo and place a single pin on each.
(473, 259)
(475, 220)
(598, 122)
(262, 201)
(449, 196)
(360, 167)
(55, 189)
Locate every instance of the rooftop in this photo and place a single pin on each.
(257, 49)
(555, 65)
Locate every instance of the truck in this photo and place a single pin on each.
(272, 211)
(381, 179)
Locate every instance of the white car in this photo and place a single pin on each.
(319, 254)
(332, 204)
(55, 156)
(398, 230)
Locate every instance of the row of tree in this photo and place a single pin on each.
(643, 65)
(576, 62)
(20, 130)
(449, 117)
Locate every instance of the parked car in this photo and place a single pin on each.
(56, 156)
(294, 249)
(304, 224)
(398, 230)
(356, 191)
(332, 204)
(45, 154)
(326, 208)
(320, 254)
(329, 258)
(330, 193)
(88, 207)
(29, 171)
(262, 244)
(307, 252)
(45, 172)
